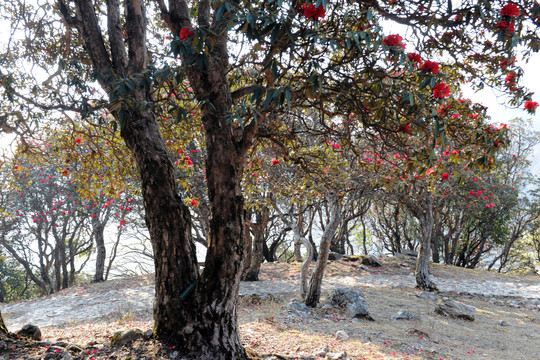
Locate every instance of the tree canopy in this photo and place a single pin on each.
(223, 75)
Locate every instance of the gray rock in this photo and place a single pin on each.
(300, 308)
(403, 315)
(503, 323)
(334, 256)
(30, 331)
(322, 352)
(66, 356)
(260, 298)
(426, 295)
(371, 261)
(123, 338)
(336, 356)
(342, 335)
(410, 253)
(448, 307)
(352, 301)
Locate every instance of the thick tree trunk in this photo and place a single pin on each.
(169, 224)
(248, 253)
(213, 329)
(252, 272)
(196, 313)
(101, 253)
(425, 218)
(314, 293)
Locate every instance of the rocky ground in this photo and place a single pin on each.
(506, 325)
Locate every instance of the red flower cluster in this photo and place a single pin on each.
(531, 106)
(441, 90)
(275, 161)
(509, 26)
(510, 79)
(185, 33)
(445, 176)
(510, 10)
(506, 63)
(77, 140)
(310, 11)
(405, 128)
(414, 58)
(193, 202)
(394, 40)
(430, 66)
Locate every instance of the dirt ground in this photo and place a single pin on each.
(270, 331)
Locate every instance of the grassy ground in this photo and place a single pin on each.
(270, 330)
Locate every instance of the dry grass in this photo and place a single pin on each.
(267, 327)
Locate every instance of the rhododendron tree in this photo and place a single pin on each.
(293, 56)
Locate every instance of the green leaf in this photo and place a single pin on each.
(220, 12)
(425, 83)
(268, 99)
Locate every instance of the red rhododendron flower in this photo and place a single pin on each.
(414, 58)
(405, 128)
(275, 161)
(510, 10)
(65, 172)
(193, 202)
(510, 79)
(511, 28)
(445, 176)
(185, 33)
(310, 11)
(441, 90)
(430, 171)
(78, 141)
(430, 66)
(531, 106)
(394, 40)
(502, 24)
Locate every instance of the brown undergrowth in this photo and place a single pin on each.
(270, 331)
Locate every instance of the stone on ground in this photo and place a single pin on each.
(30, 331)
(336, 356)
(352, 301)
(342, 335)
(300, 308)
(121, 338)
(403, 315)
(448, 307)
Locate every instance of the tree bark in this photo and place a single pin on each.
(101, 252)
(252, 272)
(196, 313)
(425, 218)
(249, 252)
(314, 293)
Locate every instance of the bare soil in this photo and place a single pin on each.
(270, 331)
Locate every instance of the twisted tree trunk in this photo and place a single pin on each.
(314, 293)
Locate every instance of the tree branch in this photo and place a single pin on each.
(114, 26)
